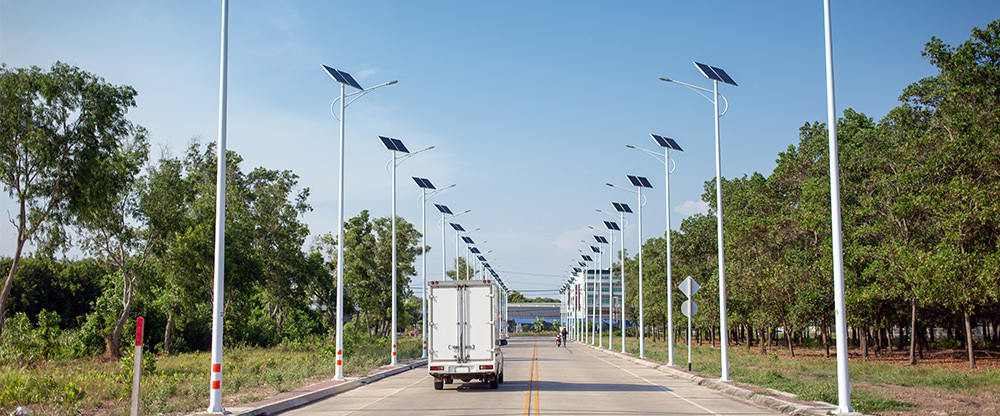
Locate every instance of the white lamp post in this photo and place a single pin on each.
(622, 210)
(215, 392)
(667, 144)
(639, 182)
(716, 75)
(840, 308)
(344, 79)
(612, 227)
(395, 146)
(425, 185)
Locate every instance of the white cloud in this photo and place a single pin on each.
(692, 207)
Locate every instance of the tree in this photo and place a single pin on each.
(368, 267)
(58, 133)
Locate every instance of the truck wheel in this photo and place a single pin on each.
(438, 384)
(494, 384)
(500, 378)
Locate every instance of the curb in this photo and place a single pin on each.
(775, 403)
(319, 391)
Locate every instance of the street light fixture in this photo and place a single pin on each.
(587, 301)
(639, 182)
(622, 209)
(396, 146)
(445, 212)
(425, 186)
(666, 143)
(344, 79)
(600, 290)
(716, 75)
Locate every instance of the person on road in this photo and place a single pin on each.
(564, 339)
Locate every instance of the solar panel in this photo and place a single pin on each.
(674, 145)
(423, 183)
(342, 77)
(587, 258)
(474, 250)
(393, 144)
(443, 209)
(715, 74)
(639, 181)
(595, 249)
(725, 77)
(708, 71)
(601, 239)
(611, 225)
(467, 240)
(456, 226)
(660, 140)
(621, 207)
(666, 142)
(481, 258)
(577, 269)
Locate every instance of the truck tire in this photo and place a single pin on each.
(494, 384)
(438, 384)
(500, 378)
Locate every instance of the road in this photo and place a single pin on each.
(540, 379)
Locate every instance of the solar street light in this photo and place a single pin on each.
(427, 190)
(612, 227)
(716, 75)
(396, 147)
(639, 182)
(219, 270)
(667, 144)
(445, 212)
(622, 208)
(344, 79)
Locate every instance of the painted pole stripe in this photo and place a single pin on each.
(216, 385)
(138, 331)
(216, 368)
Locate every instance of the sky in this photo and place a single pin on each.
(528, 104)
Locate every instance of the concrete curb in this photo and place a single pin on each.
(319, 391)
(775, 402)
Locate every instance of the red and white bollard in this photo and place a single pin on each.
(137, 367)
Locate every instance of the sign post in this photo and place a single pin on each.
(689, 287)
(137, 367)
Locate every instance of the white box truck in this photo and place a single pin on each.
(463, 332)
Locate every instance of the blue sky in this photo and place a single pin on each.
(529, 104)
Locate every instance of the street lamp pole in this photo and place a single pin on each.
(344, 79)
(396, 146)
(716, 75)
(425, 185)
(843, 376)
(215, 396)
(639, 182)
(667, 144)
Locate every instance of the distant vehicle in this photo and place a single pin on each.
(464, 332)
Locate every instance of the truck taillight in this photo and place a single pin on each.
(486, 367)
(438, 368)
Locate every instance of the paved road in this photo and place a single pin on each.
(540, 379)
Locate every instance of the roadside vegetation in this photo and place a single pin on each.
(883, 386)
(178, 384)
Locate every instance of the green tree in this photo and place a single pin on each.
(60, 132)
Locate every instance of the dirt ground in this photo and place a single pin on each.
(934, 401)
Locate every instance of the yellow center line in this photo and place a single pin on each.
(537, 379)
(532, 375)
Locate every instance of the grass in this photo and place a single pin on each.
(179, 383)
(813, 377)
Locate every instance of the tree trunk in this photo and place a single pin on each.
(822, 333)
(864, 343)
(7, 284)
(788, 338)
(168, 332)
(968, 339)
(913, 331)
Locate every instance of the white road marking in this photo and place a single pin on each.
(657, 385)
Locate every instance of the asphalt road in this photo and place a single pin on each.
(540, 379)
